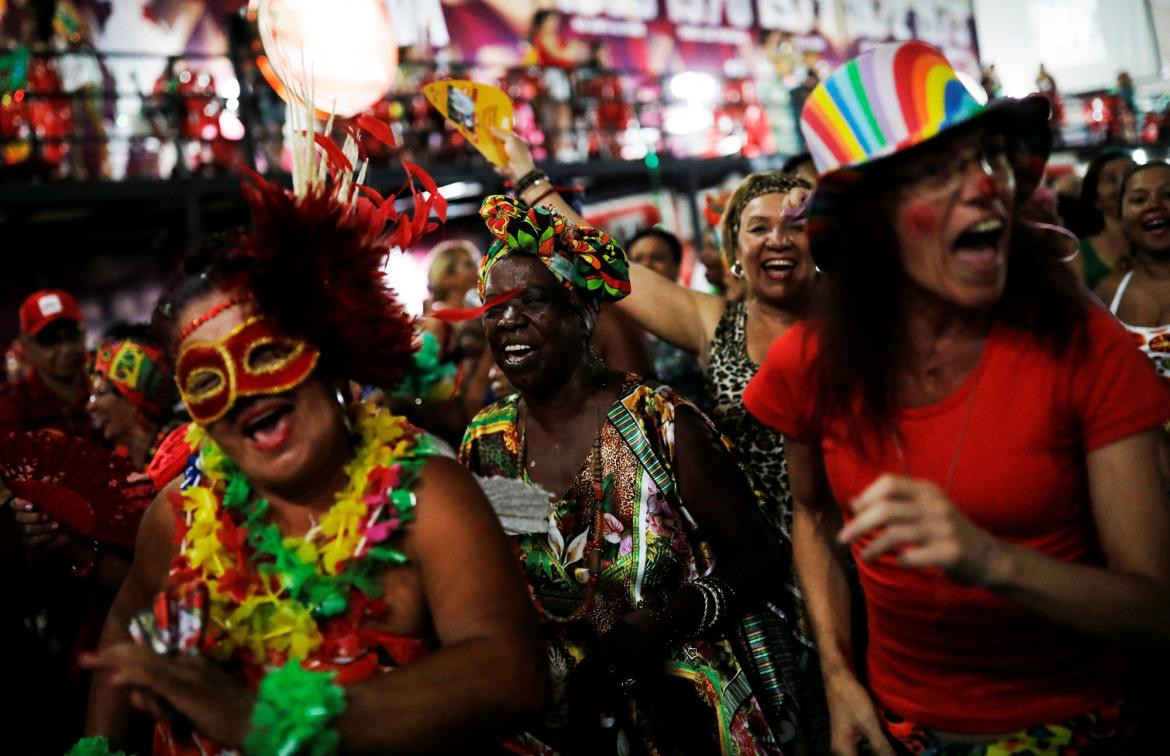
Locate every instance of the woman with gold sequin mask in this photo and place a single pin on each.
(307, 548)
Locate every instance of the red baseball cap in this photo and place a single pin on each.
(47, 306)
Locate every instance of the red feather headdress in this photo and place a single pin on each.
(318, 254)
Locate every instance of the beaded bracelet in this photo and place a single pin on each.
(82, 571)
(293, 713)
(718, 598)
(527, 181)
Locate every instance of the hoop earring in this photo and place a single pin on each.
(737, 269)
(344, 407)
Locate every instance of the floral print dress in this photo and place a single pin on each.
(703, 703)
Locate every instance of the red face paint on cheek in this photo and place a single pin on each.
(987, 186)
(921, 218)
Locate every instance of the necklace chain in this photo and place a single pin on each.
(954, 463)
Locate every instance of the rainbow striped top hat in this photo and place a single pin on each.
(886, 99)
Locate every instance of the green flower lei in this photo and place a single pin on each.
(293, 712)
(327, 595)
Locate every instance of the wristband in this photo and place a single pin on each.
(93, 746)
(294, 711)
(545, 193)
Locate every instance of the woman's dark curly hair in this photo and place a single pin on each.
(1089, 220)
(855, 315)
(208, 267)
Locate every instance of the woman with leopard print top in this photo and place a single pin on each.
(764, 243)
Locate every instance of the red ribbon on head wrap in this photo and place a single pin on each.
(460, 314)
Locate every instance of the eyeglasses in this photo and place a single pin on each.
(943, 172)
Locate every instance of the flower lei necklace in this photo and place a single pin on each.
(269, 592)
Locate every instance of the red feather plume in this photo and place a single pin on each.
(318, 269)
(318, 262)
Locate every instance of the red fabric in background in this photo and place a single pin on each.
(959, 658)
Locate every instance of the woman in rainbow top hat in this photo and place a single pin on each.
(977, 431)
(314, 544)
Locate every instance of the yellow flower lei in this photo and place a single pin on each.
(252, 608)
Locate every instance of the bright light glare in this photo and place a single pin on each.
(460, 189)
(1140, 156)
(406, 274)
(687, 118)
(694, 87)
(228, 87)
(347, 47)
(976, 90)
(230, 126)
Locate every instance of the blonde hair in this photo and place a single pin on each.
(755, 185)
(443, 259)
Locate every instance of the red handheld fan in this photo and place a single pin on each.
(76, 482)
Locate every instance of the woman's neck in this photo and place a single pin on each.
(777, 317)
(452, 300)
(941, 335)
(317, 490)
(553, 409)
(1111, 243)
(1152, 267)
(139, 443)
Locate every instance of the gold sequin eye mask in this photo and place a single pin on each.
(254, 359)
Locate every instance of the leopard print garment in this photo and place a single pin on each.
(758, 447)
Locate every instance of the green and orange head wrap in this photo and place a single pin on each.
(136, 371)
(584, 259)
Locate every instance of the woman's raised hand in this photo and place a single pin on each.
(796, 199)
(517, 152)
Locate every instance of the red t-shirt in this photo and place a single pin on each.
(960, 658)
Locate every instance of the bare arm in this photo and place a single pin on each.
(819, 559)
(682, 316)
(488, 674)
(716, 493)
(1127, 600)
(490, 671)
(820, 568)
(109, 707)
(622, 343)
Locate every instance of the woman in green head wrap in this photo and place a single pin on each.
(620, 559)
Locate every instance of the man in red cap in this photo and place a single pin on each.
(52, 393)
(45, 607)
